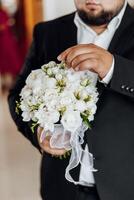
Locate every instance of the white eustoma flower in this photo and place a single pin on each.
(26, 92)
(73, 86)
(71, 120)
(72, 75)
(24, 106)
(26, 116)
(51, 64)
(80, 106)
(92, 76)
(59, 76)
(46, 117)
(92, 108)
(38, 91)
(84, 94)
(40, 115)
(55, 70)
(33, 76)
(53, 116)
(50, 83)
(48, 126)
(50, 94)
(91, 118)
(33, 100)
(52, 105)
(66, 98)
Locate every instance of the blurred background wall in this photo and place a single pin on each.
(53, 8)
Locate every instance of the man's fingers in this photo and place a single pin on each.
(70, 54)
(45, 144)
(47, 148)
(78, 59)
(74, 51)
(88, 64)
(63, 55)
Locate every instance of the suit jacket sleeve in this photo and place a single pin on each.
(33, 61)
(123, 76)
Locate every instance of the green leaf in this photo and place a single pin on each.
(87, 123)
(33, 126)
(17, 108)
(84, 116)
(65, 156)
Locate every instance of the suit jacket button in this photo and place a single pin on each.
(132, 90)
(123, 87)
(127, 88)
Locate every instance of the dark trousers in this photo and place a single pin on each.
(87, 193)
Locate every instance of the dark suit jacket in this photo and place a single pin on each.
(111, 139)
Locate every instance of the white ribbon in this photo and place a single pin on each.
(61, 138)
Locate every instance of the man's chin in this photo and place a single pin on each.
(94, 17)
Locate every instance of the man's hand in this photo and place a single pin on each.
(88, 57)
(45, 145)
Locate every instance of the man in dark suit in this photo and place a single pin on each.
(111, 140)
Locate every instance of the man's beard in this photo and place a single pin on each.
(103, 18)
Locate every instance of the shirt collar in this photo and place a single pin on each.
(114, 23)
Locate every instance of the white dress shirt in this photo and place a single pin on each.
(86, 35)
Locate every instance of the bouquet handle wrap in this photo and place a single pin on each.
(61, 138)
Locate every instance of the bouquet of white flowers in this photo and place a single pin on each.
(57, 94)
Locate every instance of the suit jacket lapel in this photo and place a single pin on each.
(68, 35)
(119, 35)
(118, 38)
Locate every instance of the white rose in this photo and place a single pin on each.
(71, 120)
